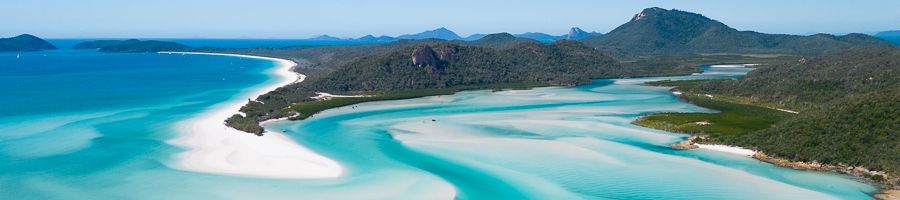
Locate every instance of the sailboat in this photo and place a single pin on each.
(18, 56)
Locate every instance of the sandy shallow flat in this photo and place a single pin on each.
(212, 147)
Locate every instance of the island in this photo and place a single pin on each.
(25, 42)
(132, 45)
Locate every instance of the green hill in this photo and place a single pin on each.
(441, 67)
(25, 42)
(848, 103)
(657, 31)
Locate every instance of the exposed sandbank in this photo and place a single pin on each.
(213, 147)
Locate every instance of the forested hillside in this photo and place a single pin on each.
(848, 103)
(657, 31)
(24, 42)
(448, 66)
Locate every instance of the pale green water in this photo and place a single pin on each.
(86, 125)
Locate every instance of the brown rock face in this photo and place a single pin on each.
(446, 54)
(424, 56)
(686, 144)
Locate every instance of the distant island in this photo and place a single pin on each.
(25, 42)
(132, 45)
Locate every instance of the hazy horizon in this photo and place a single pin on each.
(279, 19)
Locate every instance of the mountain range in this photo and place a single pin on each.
(893, 36)
(440, 33)
(660, 31)
(24, 42)
(445, 34)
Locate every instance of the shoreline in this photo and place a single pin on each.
(886, 192)
(888, 183)
(886, 189)
(212, 147)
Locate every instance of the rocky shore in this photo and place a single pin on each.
(891, 190)
(889, 183)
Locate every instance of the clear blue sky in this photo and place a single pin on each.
(346, 18)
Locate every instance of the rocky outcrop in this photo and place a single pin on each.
(434, 61)
(446, 54)
(424, 56)
(577, 34)
(686, 144)
(888, 195)
(889, 181)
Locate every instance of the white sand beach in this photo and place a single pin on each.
(326, 96)
(212, 147)
(788, 111)
(727, 149)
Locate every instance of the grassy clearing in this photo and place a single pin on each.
(733, 119)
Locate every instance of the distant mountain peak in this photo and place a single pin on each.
(27, 36)
(475, 36)
(439, 33)
(576, 33)
(648, 11)
(575, 30)
(543, 37)
(498, 36)
(325, 37)
(372, 38)
(661, 31)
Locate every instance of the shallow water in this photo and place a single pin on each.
(88, 125)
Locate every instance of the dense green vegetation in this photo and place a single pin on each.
(494, 61)
(848, 102)
(309, 108)
(145, 46)
(849, 106)
(732, 120)
(657, 31)
(132, 45)
(97, 44)
(24, 42)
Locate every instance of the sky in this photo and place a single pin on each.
(286, 19)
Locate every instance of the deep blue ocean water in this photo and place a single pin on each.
(229, 43)
(89, 125)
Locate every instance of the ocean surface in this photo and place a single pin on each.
(228, 43)
(78, 124)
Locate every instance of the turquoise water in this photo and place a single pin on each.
(88, 125)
